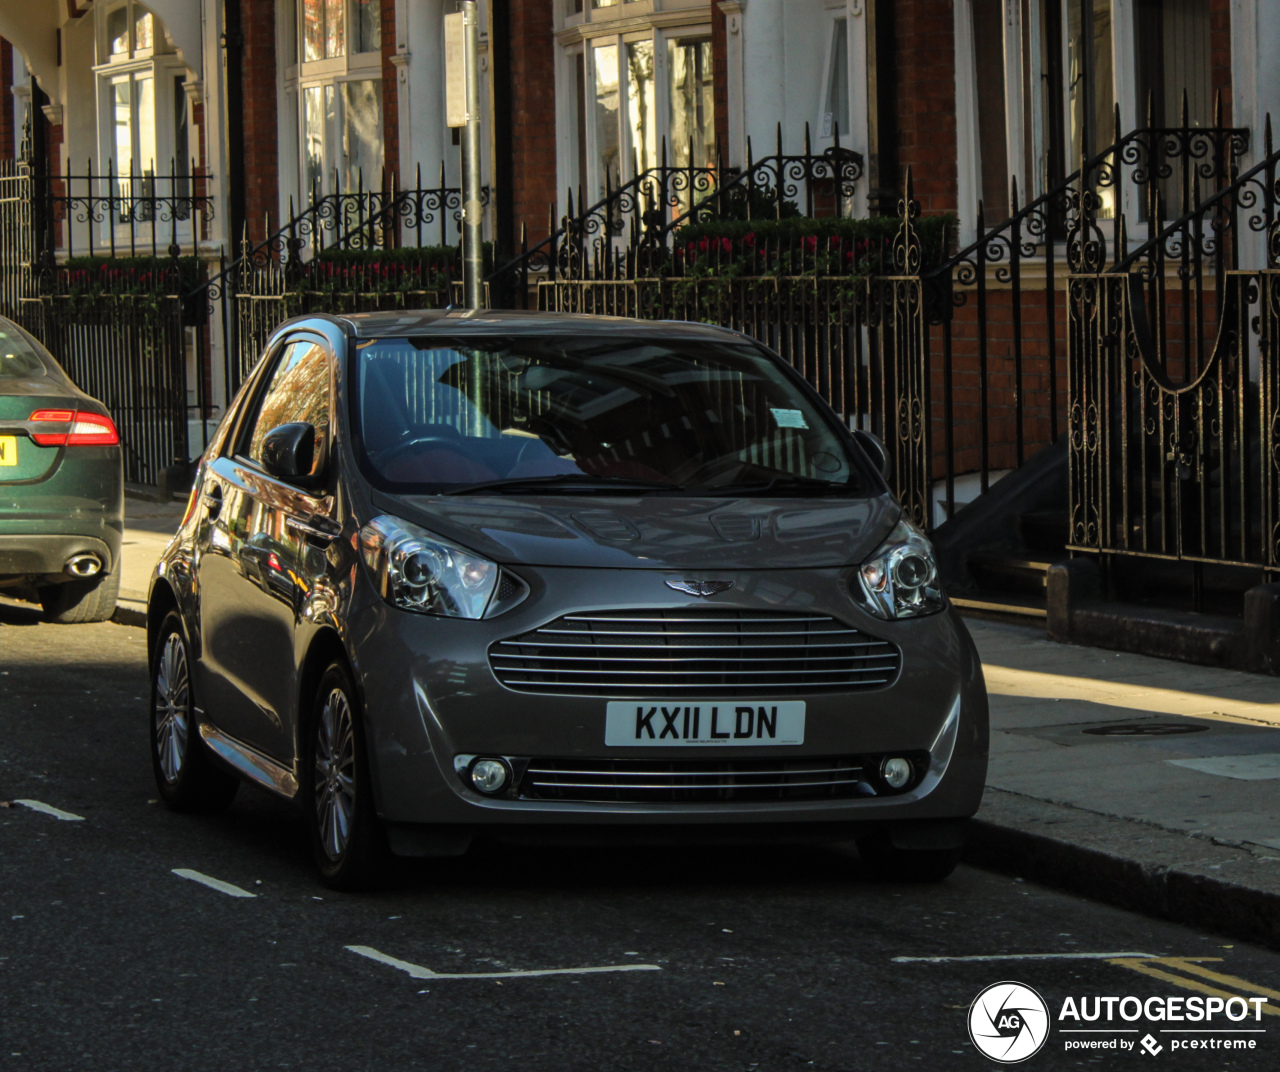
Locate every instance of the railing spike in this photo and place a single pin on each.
(1014, 194)
(1186, 109)
(808, 147)
(1151, 107)
(1116, 127)
(1266, 136)
(1217, 108)
(779, 140)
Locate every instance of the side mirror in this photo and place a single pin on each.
(289, 452)
(876, 451)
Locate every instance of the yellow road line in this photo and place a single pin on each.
(1144, 967)
(1218, 977)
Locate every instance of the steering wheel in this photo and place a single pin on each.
(435, 439)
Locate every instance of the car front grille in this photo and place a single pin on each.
(692, 654)
(693, 781)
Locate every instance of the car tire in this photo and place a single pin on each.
(886, 862)
(73, 602)
(348, 840)
(186, 776)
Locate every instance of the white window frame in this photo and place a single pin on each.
(161, 64)
(301, 75)
(969, 161)
(623, 23)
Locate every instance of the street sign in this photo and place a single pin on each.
(455, 70)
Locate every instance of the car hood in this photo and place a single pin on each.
(655, 532)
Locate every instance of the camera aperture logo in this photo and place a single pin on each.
(1008, 1022)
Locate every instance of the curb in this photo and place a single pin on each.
(1224, 888)
(130, 612)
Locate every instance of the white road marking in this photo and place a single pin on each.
(49, 809)
(1023, 956)
(212, 883)
(416, 971)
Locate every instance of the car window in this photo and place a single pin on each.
(298, 390)
(704, 415)
(18, 360)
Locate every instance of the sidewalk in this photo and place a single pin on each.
(1143, 782)
(148, 527)
(1147, 783)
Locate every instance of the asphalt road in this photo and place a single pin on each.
(772, 959)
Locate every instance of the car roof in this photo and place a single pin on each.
(411, 322)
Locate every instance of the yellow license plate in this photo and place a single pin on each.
(8, 450)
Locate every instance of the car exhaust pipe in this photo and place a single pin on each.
(84, 565)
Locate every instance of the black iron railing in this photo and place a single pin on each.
(1174, 418)
(1002, 360)
(353, 251)
(631, 227)
(116, 214)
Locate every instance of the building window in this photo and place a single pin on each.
(338, 80)
(835, 111)
(636, 85)
(1048, 75)
(144, 122)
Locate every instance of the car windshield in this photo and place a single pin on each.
(18, 359)
(557, 414)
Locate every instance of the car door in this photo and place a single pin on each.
(252, 572)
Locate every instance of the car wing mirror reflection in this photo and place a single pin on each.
(876, 451)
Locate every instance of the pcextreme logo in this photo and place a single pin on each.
(1008, 1022)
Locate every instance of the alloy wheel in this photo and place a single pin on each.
(335, 782)
(172, 713)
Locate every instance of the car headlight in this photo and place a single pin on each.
(901, 579)
(417, 570)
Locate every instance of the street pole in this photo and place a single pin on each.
(472, 211)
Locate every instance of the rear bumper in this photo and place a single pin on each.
(46, 556)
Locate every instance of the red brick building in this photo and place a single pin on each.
(279, 97)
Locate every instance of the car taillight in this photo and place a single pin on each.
(77, 429)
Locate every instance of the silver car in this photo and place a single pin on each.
(448, 576)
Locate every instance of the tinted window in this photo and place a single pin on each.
(18, 359)
(298, 391)
(439, 414)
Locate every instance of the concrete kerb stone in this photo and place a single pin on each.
(1222, 888)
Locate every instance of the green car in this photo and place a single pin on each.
(61, 487)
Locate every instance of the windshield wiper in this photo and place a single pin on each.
(564, 482)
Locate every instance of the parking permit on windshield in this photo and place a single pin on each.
(636, 723)
(788, 418)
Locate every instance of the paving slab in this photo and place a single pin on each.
(1145, 782)
(148, 527)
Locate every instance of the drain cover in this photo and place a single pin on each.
(1144, 729)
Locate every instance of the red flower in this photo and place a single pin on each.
(811, 243)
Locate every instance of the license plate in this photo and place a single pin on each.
(630, 723)
(8, 450)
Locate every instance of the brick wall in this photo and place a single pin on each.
(7, 141)
(261, 137)
(390, 94)
(533, 114)
(925, 93)
(1220, 53)
(720, 75)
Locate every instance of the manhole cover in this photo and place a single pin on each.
(1144, 729)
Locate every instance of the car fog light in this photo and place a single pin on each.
(489, 776)
(896, 772)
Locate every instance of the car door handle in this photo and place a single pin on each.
(317, 527)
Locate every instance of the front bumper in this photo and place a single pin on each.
(430, 697)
